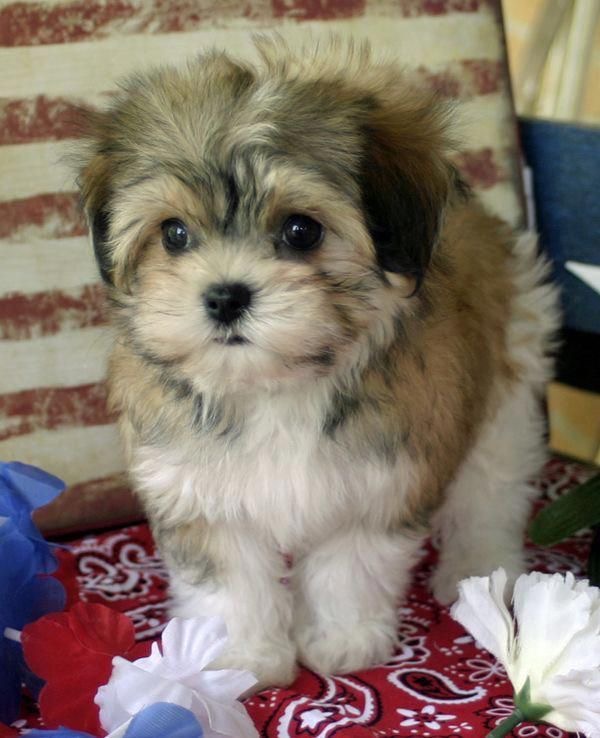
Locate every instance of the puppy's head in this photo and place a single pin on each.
(258, 224)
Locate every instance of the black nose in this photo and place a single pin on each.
(226, 302)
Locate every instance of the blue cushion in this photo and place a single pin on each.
(565, 160)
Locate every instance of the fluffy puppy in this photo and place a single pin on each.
(324, 347)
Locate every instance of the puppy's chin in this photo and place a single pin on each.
(236, 363)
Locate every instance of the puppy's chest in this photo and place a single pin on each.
(278, 470)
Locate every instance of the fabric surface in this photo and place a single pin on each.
(58, 54)
(438, 684)
(565, 159)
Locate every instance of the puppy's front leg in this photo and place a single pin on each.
(224, 570)
(348, 590)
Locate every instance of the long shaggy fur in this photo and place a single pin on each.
(379, 384)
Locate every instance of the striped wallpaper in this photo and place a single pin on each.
(56, 55)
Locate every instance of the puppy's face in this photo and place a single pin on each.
(260, 225)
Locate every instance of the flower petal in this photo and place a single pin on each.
(190, 644)
(112, 713)
(549, 611)
(481, 610)
(39, 596)
(593, 593)
(35, 486)
(78, 710)
(223, 685)
(101, 629)
(51, 651)
(17, 554)
(224, 720)
(576, 703)
(130, 689)
(24, 488)
(581, 653)
(72, 652)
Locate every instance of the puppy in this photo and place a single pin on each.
(324, 347)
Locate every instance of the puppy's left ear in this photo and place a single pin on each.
(405, 180)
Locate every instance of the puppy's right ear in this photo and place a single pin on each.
(95, 187)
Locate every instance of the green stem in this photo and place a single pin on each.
(505, 727)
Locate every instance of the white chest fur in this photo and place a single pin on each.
(279, 473)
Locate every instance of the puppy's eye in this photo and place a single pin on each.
(175, 236)
(301, 232)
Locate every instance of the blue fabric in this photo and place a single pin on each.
(163, 719)
(565, 160)
(23, 489)
(59, 733)
(156, 721)
(24, 597)
(26, 592)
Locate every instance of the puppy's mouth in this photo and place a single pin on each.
(235, 340)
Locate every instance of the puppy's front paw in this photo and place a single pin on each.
(444, 581)
(273, 663)
(444, 585)
(339, 649)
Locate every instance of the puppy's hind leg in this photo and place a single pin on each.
(482, 523)
(347, 608)
(224, 570)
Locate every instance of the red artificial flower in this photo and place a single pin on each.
(6, 732)
(73, 652)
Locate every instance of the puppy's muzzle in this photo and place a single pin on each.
(226, 303)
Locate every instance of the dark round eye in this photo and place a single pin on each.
(174, 235)
(301, 232)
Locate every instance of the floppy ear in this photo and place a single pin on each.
(405, 181)
(100, 225)
(94, 182)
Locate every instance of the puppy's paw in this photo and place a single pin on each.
(444, 581)
(273, 663)
(339, 649)
(444, 585)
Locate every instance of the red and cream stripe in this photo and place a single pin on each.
(57, 56)
(35, 23)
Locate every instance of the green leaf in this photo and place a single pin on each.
(594, 559)
(530, 710)
(578, 509)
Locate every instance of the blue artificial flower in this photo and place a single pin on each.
(58, 733)
(164, 718)
(23, 489)
(155, 721)
(26, 592)
(24, 596)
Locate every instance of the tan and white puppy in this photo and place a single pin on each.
(324, 347)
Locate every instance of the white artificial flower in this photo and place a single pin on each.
(177, 674)
(551, 653)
